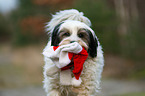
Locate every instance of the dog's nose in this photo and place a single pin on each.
(72, 41)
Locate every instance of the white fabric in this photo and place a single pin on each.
(51, 70)
(61, 59)
(73, 47)
(76, 82)
(65, 77)
(60, 55)
(49, 52)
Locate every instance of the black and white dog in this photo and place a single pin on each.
(66, 27)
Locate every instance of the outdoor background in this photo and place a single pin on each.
(119, 25)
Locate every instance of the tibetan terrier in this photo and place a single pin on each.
(66, 27)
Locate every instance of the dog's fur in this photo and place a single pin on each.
(71, 26)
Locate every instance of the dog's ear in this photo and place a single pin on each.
(54, 37)
(93, 44)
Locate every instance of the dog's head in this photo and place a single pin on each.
(70, 31)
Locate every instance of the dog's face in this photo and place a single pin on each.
(75, 31)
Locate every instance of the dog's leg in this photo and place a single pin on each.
(90, 79)
(86, 90)
(87, 87)
(51, 78)
(53, 86)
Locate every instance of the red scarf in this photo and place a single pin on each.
(77, 61)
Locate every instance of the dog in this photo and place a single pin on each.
(64, 28)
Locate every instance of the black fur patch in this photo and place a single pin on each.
(93, 44)
(55, 38)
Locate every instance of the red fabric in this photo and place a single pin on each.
(55, 47)
(78, 61)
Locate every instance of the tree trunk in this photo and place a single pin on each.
(127, 13)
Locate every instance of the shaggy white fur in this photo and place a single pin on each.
(92, 69)
(67, 15)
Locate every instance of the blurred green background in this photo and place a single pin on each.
(119, 25)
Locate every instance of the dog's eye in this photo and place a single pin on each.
(66, 34)
(81, 35)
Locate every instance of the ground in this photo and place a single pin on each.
(109, 88)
